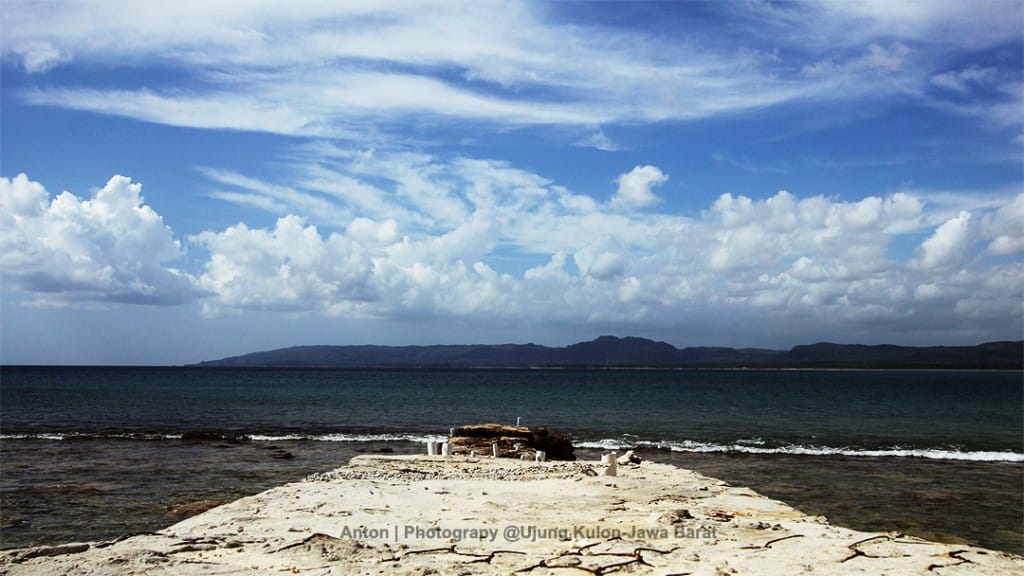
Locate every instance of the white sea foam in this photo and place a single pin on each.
(336, 437)
(342, 437)
(281, 438)
(740, 446)
(33, 436)
(58, 436)
(606, 444)
(744, 447)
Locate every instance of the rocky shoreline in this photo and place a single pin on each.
(481, 515)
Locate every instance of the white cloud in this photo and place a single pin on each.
(601, 260)
(345, 70)
(281, 200)
(888, 59)
(780, 258)
(635, 188)
(235, 110)
(39, 57)
(968, 24)
(963, 80)
(1005, 228)
(373, 234)
(607, 265)
(112, 247)
(600, 141)
(288, 268)
(748, 234)
(948, 245)
(783, 259)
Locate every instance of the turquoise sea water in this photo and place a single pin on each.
(89, 453)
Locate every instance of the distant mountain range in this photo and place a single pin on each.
(612, 351)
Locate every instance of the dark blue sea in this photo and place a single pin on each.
(94, 453)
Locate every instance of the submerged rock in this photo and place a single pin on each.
(212, 436)
(512, 441)
(375, 450)
(190, 509)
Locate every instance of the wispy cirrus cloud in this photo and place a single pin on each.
(328, 69)
(280, 199)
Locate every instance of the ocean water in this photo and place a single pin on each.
(93, 453)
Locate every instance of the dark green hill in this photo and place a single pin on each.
(612, 351)
(998, 355)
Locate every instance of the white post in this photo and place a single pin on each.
(611, 470)
(517, 422)
(494, 449)
(431, 448)
(446, 449)
(540, 456)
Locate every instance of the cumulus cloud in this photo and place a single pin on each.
(782, 259)
(635, 188)
(111, 247)
(748, 234)
(948, 245)
(291, 267)
(607, 265)
(1005, 228)
(373, 234)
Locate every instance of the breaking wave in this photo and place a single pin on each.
(340, 437)
(201, 435)
(757, 446)
(59, 436)
(754, 445)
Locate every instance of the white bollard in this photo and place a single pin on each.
(446, 449)
(517, 422)
(540, 456)
(612, 469)
(431, 448)
(494, 449)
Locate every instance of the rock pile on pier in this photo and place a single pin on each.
(512, 441)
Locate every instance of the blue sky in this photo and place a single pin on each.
(187, 181)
